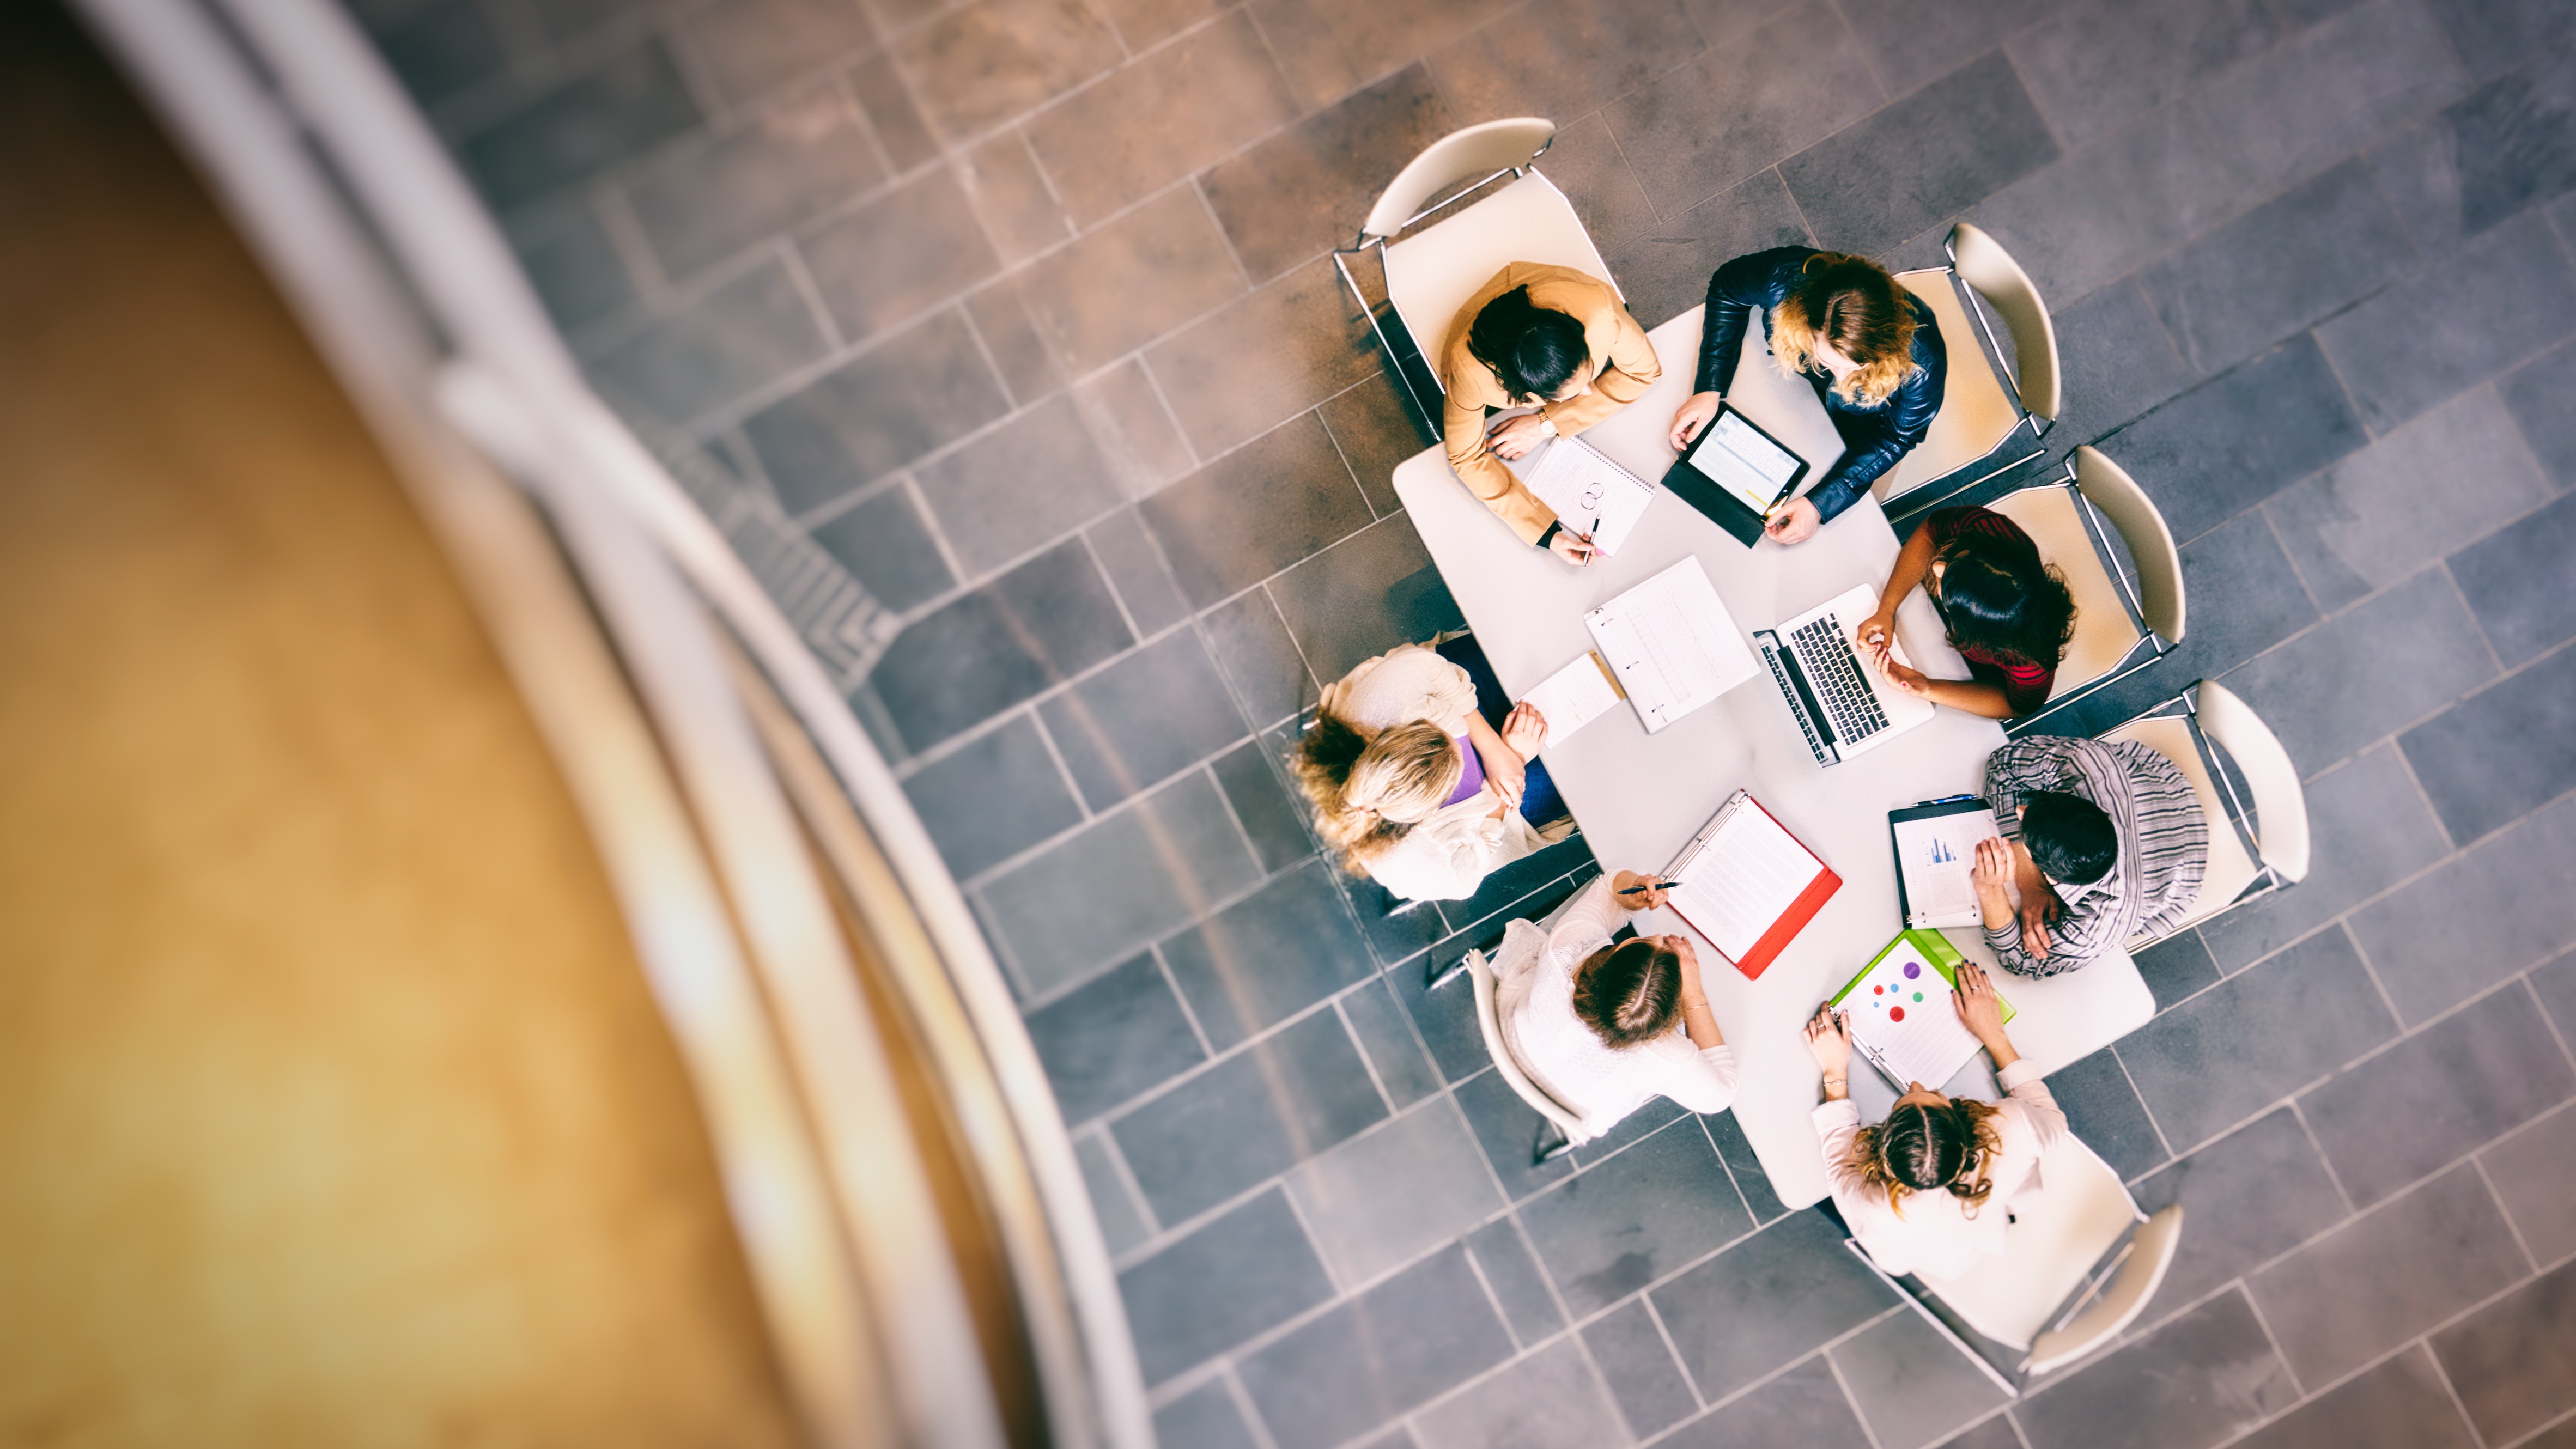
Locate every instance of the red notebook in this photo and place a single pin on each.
(1747, 885)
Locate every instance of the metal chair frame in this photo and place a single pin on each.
(1365, 242)
(1921, 1298)
(1994, 355)
(2267, 879)
(2153, 645)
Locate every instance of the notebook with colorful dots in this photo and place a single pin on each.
(1901, 1016)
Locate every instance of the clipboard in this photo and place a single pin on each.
(1791, 881)
(1942, 808)
(1723, 505)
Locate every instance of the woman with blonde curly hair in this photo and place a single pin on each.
(1930, 1189)
(1869, 348)
(1420, 773)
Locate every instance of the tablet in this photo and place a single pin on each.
(1736, 473)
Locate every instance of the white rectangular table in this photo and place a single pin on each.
(1640, 797)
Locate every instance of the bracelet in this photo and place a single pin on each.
(1836, 1081)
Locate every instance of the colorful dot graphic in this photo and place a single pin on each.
(1875, 990)
(1912, 970)
(1918, 996)
(1896, 1013)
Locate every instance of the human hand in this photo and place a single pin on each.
(1525, 729)
(1516, 436)
(1794, 522)
(1507, 777)
(1905, 677)
(1989, 871)
(1637, 892)
(2035, 916)
(1980, 1010)
(1575, 548)
(1693, 993)
(1692, 416)
(1876, 633)
(1829, 1040)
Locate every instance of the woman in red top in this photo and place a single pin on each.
(2008, 613)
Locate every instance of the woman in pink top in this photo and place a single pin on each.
(1931, 1189)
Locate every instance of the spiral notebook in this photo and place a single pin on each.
(1747, 885)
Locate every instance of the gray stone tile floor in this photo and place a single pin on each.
(1012, 320)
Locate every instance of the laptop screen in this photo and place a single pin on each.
(1737, 457)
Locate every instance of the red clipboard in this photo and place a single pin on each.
(1785, 927)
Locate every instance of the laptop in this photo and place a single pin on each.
(1838, 700)
(1736, 474)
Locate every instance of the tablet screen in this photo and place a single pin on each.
(1737, 457)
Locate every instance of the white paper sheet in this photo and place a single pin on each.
(1582, 486)
(1740, 876)
(1672, 644)
(1938, 856)
(1903, 1023)
(1573, 697)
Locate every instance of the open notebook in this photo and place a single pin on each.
(1586, 488)
(1902, 1019)
(1747, 885)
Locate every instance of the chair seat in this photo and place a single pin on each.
(2231, 868)
(2105, 634)
(2056, 1238)
(1976, 415)
(1431, 274)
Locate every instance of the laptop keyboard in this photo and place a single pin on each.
(1834, 672)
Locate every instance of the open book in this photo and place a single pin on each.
(1902, 1019)
(1747, 885)
(1671, 643)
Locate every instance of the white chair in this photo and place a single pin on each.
(2042, 1296)
(1430, 274)
(2183, 729)
(1560, 1127)
(2112, 619)
(1978, 420)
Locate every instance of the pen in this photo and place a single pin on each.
(1632, 890)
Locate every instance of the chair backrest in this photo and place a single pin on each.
(1490, 1023)
(1431, 274)
(2109, 487)
(2151, 1252)
(2056, 1238)
(1459, 156)
(2280, 805)
(2000, 280)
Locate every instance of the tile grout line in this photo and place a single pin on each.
(2351, 1205)
(1243, 1404)
(1189, 1013)
(2502, 670)
(2565, 1046)
(2153, 1125)
(1868, 1430)
(1664, 1331)
(1134, 1189)
(1376, 1080)
(1064, 774)
(2478, 1160)
(1728, 1168)
(2245, 1287)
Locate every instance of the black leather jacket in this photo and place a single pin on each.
(1873, 438)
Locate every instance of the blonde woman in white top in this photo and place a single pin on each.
(1411, 784)
(1931, 1189)
(1602, 1028)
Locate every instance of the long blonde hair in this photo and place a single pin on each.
(1370, 791)
(1852, 304)
(1923, 1148)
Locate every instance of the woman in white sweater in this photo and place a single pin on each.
(1606, 1028)
(1412, 782)
(1931, 1189)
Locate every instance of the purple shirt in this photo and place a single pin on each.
(1472, 780)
